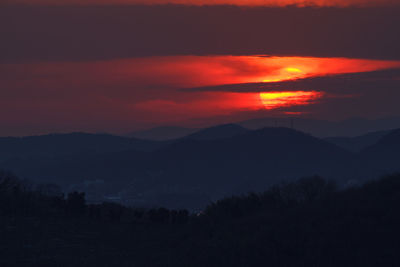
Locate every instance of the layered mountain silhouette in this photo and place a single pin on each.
(358, 143)
(163, 133)
(353, 127)
(385, 154)
(249, 161)
(194, 170)
(218, 132)
(323, 128)
(70, 144)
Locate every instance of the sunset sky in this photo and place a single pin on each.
(216, 2)
(122, 65)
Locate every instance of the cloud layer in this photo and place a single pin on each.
(349, 83)
(121, 95)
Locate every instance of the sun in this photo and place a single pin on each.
(293, 70)
(287, 73)
(273, 100)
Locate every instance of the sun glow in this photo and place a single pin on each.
(293, 70)
(177, 87)
(287, 73)
(273, 100)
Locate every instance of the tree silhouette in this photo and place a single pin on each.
(76, 204)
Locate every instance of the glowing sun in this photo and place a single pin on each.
(273, 100)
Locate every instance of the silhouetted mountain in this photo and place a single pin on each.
(69, 144)
(163, 133)
(356, 144)
(205, 167)
(249, 162)
(354, 127)
(218, 132)
(385, 154)
(114, 168)
(189, 172)
(320, 128)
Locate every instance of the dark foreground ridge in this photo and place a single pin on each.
(304, 223)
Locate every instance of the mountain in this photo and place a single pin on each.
(70, 144)
(358, 143)
(170, 133)
(218, 132)
(190, 172)
(249, 162)
(385, 154)
(163, 133)
(322, 128)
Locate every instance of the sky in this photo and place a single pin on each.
(124, 65)
(215, 2)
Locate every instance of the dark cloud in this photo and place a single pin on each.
(370, 94)
(66, 33)
(350, 83)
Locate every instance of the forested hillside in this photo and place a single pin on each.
(305, 223)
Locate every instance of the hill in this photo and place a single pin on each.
(353, 127)
(324, 128)
(249, 162)
(218, 132)
(190, 172)
(70, 144)
(304, 223)
(358, 143)
(163, 133)
(385, 154)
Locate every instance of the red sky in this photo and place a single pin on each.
(120, 68)
(116, 95)
(216, 2)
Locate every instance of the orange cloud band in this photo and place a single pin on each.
(118, 93)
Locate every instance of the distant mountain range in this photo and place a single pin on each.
(319, 128)
(385, 154)
(70, 144)
(191, 171)
(358, 143)
(163, 133)
(217, 132)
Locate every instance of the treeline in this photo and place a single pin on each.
(309, 222)
(20, 198)
(313, 193)
(278, 198)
